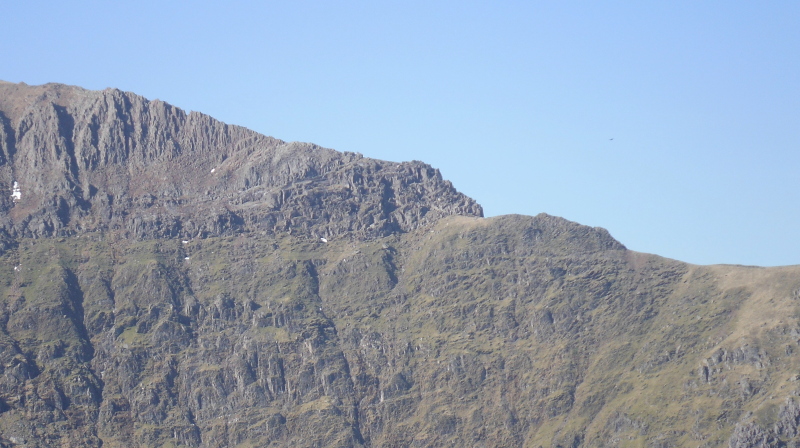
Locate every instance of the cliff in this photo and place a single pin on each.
(169, 280)
(110, 160)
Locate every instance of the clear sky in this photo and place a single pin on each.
(674, 125)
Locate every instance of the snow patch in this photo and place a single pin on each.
(16, 194)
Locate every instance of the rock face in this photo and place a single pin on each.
(297, 296)
(103, 161)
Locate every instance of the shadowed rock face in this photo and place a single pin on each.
(148, 301)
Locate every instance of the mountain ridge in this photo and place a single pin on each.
(158, 157)
(299, 296)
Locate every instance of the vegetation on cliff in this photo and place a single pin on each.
(296, 296)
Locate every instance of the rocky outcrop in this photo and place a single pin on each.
(110, 160)
(169, 280)
(780, 430)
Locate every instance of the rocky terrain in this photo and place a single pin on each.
(87, 161)
(170, 280)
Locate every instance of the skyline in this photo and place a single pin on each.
(675, 127)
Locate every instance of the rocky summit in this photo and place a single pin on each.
(171, 280)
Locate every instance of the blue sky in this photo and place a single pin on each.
(515, 102)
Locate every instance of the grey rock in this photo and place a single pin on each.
(113, 161)
(170, 280)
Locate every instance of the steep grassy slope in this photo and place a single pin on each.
(511, 331)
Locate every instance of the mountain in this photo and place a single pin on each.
(170, 280)
(108, 161)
